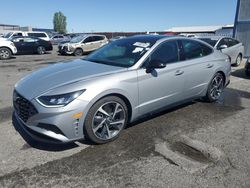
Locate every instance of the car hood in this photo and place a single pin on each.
(64, 73)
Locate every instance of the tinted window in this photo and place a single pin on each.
(37, 35)
(166, 52)
(123, 53)
(17, 34)
(223, 41)
(88, 39)
(232, 42)
(27, 39)
(98, 38)
(194, 49)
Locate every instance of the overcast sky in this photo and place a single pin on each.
(119, 15)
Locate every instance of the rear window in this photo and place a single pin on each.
(37, 34)
(195, 49)
(97, 38)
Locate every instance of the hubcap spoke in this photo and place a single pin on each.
(99, 126)
(103, 111)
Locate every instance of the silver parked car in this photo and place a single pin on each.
(82, 44)
(98, 96)
(229, 46)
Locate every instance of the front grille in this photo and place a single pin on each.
(23, 107)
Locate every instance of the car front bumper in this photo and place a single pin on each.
(62, 124)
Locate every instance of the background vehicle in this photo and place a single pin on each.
(56, 39)
(30, 45)
(7, 49)
(229, 46)
(41, 35)
(247, 67)
(116, 38)
(82, 44)
(124, 80)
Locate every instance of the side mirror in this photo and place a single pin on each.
(155, 64)
(224, 46)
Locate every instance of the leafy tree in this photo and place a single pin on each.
(60, 22)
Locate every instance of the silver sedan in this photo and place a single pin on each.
(96, 97)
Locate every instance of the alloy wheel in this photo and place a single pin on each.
(4, 54)
(108, 120)
(217, 87)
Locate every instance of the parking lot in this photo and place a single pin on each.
(197, 144)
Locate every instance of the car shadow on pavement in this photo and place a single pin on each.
(240, 73)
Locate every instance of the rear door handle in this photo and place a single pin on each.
(210, 65)
(179, 72)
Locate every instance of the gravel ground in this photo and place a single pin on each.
(196, 144)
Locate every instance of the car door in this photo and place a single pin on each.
(87, 44)
(20, 45)
(198, 66)
(161, 87)
(229, 50)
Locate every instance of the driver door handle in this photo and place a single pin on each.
(179, 72)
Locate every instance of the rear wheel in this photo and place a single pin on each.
(238, 60)
(106, 119)
(78, 52)
(215, 88)
(5, 53)
(41, 50)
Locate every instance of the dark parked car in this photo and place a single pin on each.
(30, 45)
(247, 67)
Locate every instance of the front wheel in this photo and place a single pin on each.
(106, 119)
(238, 60)
(215, 88)
(5, 53)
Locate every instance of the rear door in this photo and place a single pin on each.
(198, 66)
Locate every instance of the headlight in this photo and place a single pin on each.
(59, 100)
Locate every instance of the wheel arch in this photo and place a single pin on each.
(8, 49)
(129, 101)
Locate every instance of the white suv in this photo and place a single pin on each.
(41, 35)
(7, 49)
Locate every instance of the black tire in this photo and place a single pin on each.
(5, 53)
(210, 95)
(41, 50)
(238, 60)
(247, 72)
(88, 125)
(78, 52)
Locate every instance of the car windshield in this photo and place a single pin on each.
(122, 53)
(210, 41)
(8, 35)
(77, 39)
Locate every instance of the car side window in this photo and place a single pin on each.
(166, 52)
(195, 49)
(88, 39)
(232, 42)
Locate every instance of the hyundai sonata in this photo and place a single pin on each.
(98, 96)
